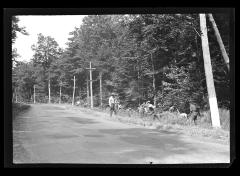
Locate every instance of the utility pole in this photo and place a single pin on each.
(87, 93)
(91, 91)
(34, 100)
(100, 78)
(73, 90)
(209, 75)
(49, 90)
(219, 39)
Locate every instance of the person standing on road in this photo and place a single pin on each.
(112, 104)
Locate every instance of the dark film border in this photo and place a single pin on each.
(8, 13)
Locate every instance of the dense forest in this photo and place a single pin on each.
(156, 57)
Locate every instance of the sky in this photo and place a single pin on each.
(57, 26)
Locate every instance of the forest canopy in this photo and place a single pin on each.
(141, 57)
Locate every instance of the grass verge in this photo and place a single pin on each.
(18, 108)
(172, 122)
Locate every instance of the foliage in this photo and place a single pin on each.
(16, 28)
(141, 57)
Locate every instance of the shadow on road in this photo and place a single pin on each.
(165, 142)
(82, 120)
(52, 107)
(125, 145)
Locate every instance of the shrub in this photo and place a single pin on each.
(54, 99)
(66, 98)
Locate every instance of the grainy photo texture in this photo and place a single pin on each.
(121, 88)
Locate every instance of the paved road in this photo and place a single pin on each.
(58, 134)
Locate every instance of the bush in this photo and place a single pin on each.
(66, 98)
(41, 99)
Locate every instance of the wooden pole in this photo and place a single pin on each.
(100, 77)
(34, 94)
(219, 39)
(91, 91)
(209, 75)
(49, 91)
(87, 93)
(73, 90)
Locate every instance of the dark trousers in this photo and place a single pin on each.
(113, 109)
(194, 115)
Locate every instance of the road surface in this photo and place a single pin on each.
(59, 134)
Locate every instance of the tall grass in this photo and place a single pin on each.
(205, 119)
(202, 121)
(173, 118)
(170, 120)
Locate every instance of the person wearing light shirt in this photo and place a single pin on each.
(112, 104)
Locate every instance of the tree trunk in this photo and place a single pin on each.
(142, 88)
(34, 94)
(154, 87)
(80, 92)
(30, 95)
(49, 91)
(73, 90)
(60, 91)
(220, 42)
(138, 84)
(209, 75)
(49, 86)
(100, 78)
